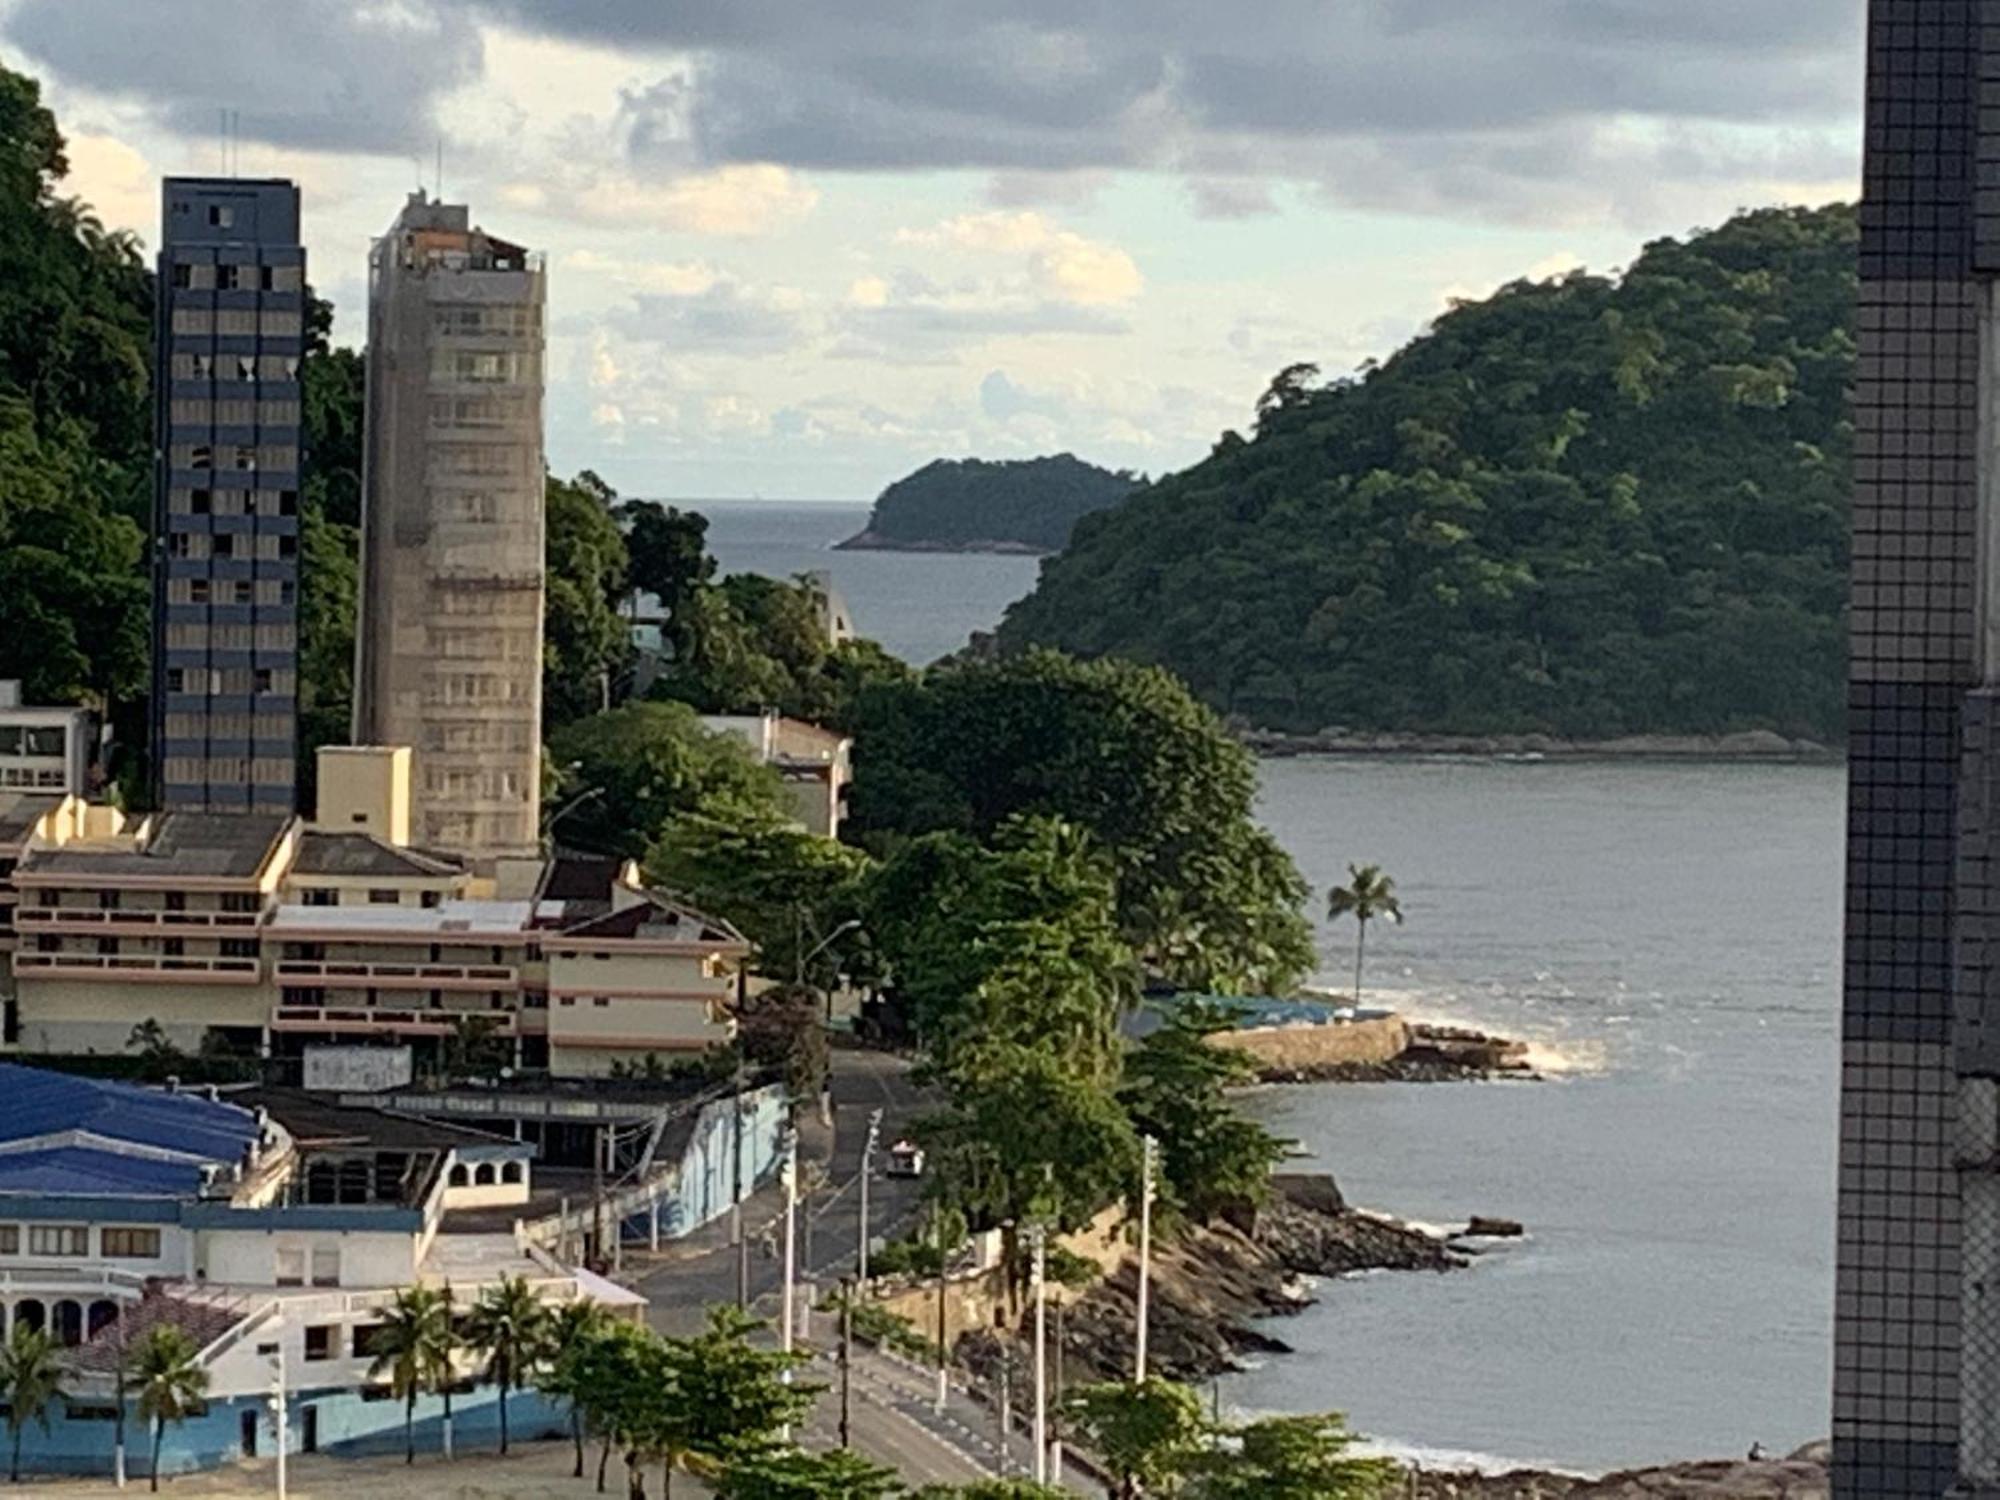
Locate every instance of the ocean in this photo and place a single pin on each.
(1668, 938)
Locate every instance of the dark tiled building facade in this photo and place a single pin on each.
(1917, 1340)
(229, 341)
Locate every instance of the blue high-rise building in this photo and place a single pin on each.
(229, 341)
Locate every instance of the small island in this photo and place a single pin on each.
(1026, 507)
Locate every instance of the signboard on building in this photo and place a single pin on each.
(357, 1070)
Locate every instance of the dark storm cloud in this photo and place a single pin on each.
(1352, 95)
(312, 74)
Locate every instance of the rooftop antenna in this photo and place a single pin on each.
(438, 179)
(222, 143)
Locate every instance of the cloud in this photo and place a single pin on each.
(736, 201)
(309, 74)
(724, 317)
(1002, 400)
(1062, 265)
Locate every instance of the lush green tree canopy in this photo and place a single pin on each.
(1023, 502)
(1205, 896)
(647, 764)
(586, 645)
(1587, 506)
(1211, 1158)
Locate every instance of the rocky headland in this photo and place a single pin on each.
(875, 541)
(1212, 1286)
(1431, 1054)
(1802, 1476)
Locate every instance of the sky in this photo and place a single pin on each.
(797, 248)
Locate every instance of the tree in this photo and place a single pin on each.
(1205, 897)
(990, 1489)
(404, 1347)
(787, 890)
(440, 1358)
(654, 762)
(730, 1399)
(1290, 1458)
(167, 1371)
(974, 502)
(612, 1377)
(586, 644)
(1367, 895)
(1176, 1089)
(158, 1056)
(30, 1375)
(510, 1325)
(572, 1330)
(1151, 1433)
(669, 559)
(791, 1474)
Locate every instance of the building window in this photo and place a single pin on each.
(322, 896)
(221, 216)
(129, 1244)
(239, 901)
(322, 1341)
(107, 946)
(107, 900)
(10, 1239)
(239, 947)
(365, 1335)
(384, 898)
(291, 1268)
(430, 898)
(326, 1265)
(59, 1239)
(173, 947)
(600, 1001)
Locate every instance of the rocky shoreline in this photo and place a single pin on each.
(1434, 1054)
(1754, 745)
(1802, 1476)
(874, 541)
(1211, 1286)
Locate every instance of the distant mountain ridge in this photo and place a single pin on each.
(1586, 507)
(987, 505)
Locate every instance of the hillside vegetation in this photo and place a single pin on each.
(1588, 506)
(1030, 504)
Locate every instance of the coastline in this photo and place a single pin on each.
(1751, 745)
(873, 541)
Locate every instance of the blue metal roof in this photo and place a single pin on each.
(81, 1169)
(38, 1102)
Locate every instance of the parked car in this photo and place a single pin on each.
(906, 1159)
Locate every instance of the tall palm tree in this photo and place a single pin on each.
(510, 1326)
(438, 1357)
(30, 1378)
(402, 1348)
(1367, 895)
(167, 1370)
(572, 1331)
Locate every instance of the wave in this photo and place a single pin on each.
(1459, 1460)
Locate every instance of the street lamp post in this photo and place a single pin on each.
(867, 1169)
(852, 924)
(280, 1421)
(1041, 1356)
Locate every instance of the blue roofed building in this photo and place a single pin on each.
(274, 1229)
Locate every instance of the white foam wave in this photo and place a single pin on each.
(1457, 1460)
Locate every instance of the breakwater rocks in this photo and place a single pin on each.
(1432, 1054)
(1803, 1476)
(1756, 745)
(1210, 1285)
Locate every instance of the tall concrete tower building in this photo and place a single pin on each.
(1916, 1406)
(229, 337)
(449, 632)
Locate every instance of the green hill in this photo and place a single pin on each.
(1587, 507)
(1026, 505)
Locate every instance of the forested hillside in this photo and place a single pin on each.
(1587, 506)
(1030, 504)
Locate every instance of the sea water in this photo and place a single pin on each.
(1668, 938)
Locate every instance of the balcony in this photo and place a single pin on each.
(375, 1019)
(132, 921)
(142, 967)
(343, 974)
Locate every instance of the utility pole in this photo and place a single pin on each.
(280, 1421)
(736, 1206)
(1055, 1442)
(937, 1225)
(846, 1358)
(118, 1448)
(1005, 1413)
(791, 1170)
(1041, 1356)
(867, 1170)
(1148, 1155)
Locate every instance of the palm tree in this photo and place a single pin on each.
(402, 1347)
(510, 1325)
(1367, 895)
(572, 1331)
(438, 1359)
(166, 1368)
(30, 1379)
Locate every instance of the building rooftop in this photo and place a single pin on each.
(100, 1112)
(448, 919)
(216, 846)
(363, 854)
(658, 919)
(316, 1121)
(19, 817)
(87, 1169)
